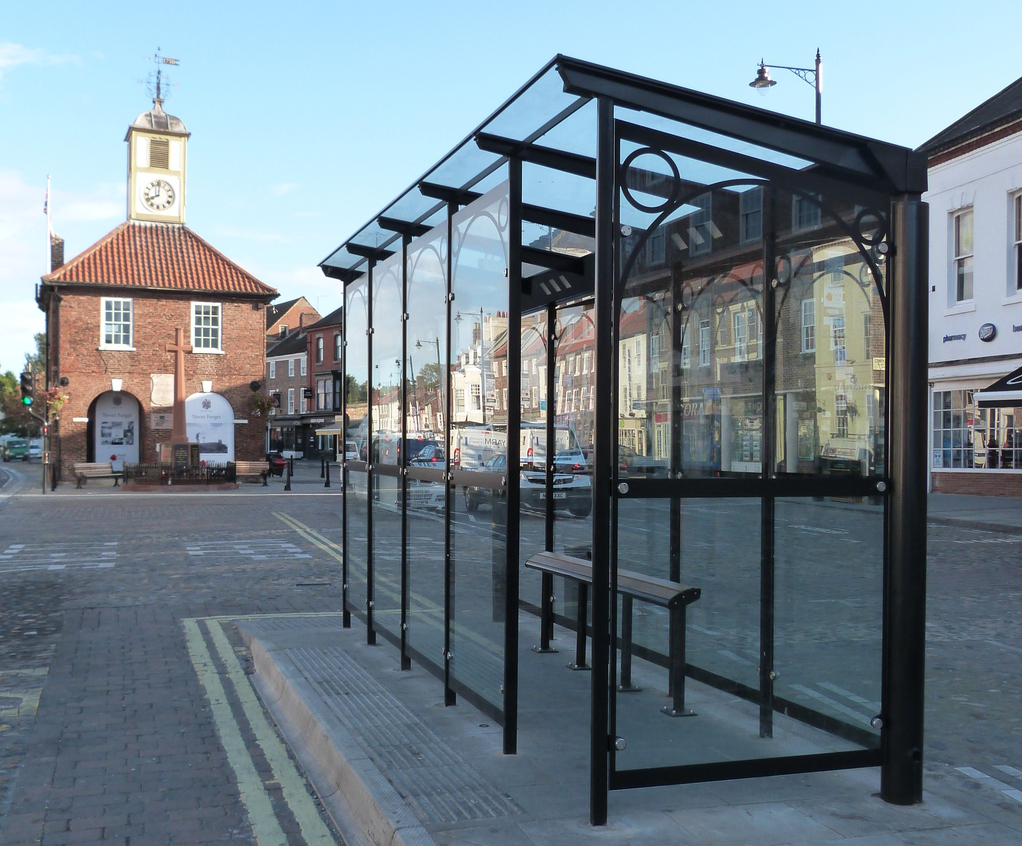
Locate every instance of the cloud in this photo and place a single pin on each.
(284, 188)
(12, 55)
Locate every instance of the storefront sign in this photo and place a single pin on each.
(987, 332)
(960, 337)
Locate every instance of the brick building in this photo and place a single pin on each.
(282, 318)
(112, 310)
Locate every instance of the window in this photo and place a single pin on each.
(302, 404)
(338, 347)
(962, 262)
(290, 367)
(704, 343)
(751, 212)
(841, 414)
(273, 370)
(283, 331)
(116, 323)
(655, 248)
(741, 324)
(686, 350)
(805, 212)
(1017, 263)
(808, 326)
(837, 340)
(159, 153)
(290, 400)
(700, 226)
(459, 399)
(319, 349)
(476, 397)
(866, 335)
(304, 366)
(206, 326)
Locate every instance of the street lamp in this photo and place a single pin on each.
(439, 376)
(811, 76)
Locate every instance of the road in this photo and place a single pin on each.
(116, 638)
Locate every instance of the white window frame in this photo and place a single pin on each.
(704, 343)
(962, 257)
(740, 320)
(290, 400)
(290, 368)
(1016, 252)
(837, 340)
(809, 325)
(107, 326)
(215, 312)
(686, 350)
(319, 349)
(338, 346)
(304, 366)
(273, 370)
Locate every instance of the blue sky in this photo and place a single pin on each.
(307, 118)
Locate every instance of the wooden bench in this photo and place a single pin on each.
(673, 596)
(252, 468)
(85, 470)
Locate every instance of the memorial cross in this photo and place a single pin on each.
(179, 433)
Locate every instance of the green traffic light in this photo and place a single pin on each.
(26, 400)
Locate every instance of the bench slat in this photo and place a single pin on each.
(647, 588)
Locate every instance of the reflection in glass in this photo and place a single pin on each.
(357, 370)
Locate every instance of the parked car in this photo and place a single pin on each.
(15, 448)
(424, 493)
(277, 463)
(572, 492)
(35, 449)
(350, 451)
(571, 461)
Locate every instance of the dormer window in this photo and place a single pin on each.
(159, 153)
(283, 330)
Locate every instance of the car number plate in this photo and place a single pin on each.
(557, 495)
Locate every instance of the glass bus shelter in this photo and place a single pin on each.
(678, 339)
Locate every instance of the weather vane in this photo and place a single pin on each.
(155, 83)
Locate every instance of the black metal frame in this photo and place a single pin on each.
(838, 164)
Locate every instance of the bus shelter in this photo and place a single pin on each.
(670, 340)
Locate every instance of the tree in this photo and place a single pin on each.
(14, 417)
(36, 361)
(357, 391)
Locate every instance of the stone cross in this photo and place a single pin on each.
(179, 433)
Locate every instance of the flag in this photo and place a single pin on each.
(46, 202)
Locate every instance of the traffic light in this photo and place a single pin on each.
(27, 387)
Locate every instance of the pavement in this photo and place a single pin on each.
(391, 765)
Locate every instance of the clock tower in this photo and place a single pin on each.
(157, 158)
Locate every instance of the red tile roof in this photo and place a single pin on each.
(158, 256)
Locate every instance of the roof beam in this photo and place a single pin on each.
(536, 154)
(403, 227)
(341, 273)
(560, 262)
(377, 253)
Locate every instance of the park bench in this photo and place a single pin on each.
(260, 469)
(85, 470)
(673, 596)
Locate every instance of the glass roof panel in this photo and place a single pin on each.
(410, 206)
(574, 134)
(555, 189)
(537, 104)
(712, 139)
(372, 235)
(342, 258)
(459, 169)
(491, 181)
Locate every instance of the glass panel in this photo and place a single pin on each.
(356, 501)
(719, 543)
(532, 526)
(831, 397)
(426, 369)
(387, 445)
(543, 99)
(829, 610)
(478, 378)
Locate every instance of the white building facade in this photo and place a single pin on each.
(975, 318)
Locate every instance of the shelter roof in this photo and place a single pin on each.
(158, 257)
(550, 124)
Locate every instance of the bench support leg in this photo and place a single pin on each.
(626, 685)
(117, 481)
(580, 636)
(677, 660)
(546, 615)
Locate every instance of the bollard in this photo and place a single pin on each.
(327, 483)
(322, 466)
(287, 477)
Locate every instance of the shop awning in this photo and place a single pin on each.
(1006, 392)
(330, 430)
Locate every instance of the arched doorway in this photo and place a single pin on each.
(209, 421)
(115, 429)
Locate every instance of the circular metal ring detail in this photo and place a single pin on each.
(630, 159)
(868, 238)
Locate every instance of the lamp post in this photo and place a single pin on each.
(439, 376)
(811, 76)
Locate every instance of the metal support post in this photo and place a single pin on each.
(901, 771)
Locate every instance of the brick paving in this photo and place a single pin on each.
(122, 746)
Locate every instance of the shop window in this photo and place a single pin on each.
(961, 264)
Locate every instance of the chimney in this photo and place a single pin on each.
(56, 252)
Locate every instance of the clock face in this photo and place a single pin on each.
(158, 195)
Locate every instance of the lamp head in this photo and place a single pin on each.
(762, 81)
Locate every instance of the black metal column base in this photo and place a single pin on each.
(574, 666)
(630, 688)
(544, 650)
(672, 712)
